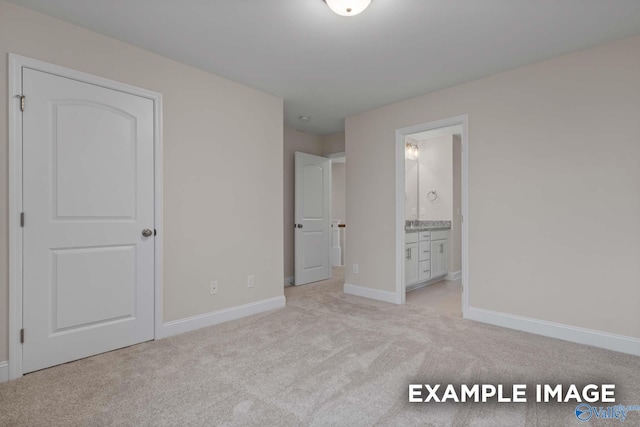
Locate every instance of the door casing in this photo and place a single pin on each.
(400, 293)
(16, 63)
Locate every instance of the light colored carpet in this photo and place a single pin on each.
(326, 359)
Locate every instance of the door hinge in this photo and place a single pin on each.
(21, 102)
(21, 336)
(21, 219)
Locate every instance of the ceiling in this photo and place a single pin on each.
(328, 67)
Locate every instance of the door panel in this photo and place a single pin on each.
(312, 211)
(86, 291)
(105, 139)
(88, 284)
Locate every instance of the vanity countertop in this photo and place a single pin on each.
(416, 226)
(426, 228)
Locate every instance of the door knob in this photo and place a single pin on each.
(146, 232)
(299, 225)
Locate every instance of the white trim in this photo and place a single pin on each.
(16, 63)
(15, 207)
(158, 174)
(463, 120)
(288, 281)
(361, 291)
(621, 343)
(4, 372)
(340, 155)
(453, 276)
(421, 285)
(337, 158)
(225, 315)
(401, 291)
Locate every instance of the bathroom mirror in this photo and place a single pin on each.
(429, 175)
(411, 167)
(411, 188)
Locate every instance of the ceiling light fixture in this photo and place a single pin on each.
(348, 7)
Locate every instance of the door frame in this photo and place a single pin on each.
(340, 157)
(16, 63)
(462, 120)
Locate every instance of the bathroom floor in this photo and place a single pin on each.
(445, 296)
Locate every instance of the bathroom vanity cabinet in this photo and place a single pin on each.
(425, 257)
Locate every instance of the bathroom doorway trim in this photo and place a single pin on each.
(462, 120)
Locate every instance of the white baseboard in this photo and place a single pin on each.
(4, 372)
(288, 281)
(209, 319)
(453, 275)
(376, 294)
(621, 343)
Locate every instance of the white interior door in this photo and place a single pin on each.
(88, 193)
(312, 216)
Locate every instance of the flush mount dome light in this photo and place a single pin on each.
(348, 7)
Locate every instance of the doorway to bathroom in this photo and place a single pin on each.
(431, 212)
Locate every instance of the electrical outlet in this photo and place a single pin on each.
(213, 287)
(251, 280)
(355, 268)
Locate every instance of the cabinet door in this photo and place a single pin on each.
(438, 258)
(411, 263)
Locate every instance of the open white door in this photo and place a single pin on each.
(88, 192)
(312, 216)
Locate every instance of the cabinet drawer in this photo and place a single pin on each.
(424, 270)
(411, 238)
(440, 235)
(424, 251)
(424, 236)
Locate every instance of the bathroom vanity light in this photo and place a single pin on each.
(411, 150)
(348, 7)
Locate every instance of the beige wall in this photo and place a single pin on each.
(222, 165)
(294, 140)
(554, 200)
(338, 197)
(333, 143)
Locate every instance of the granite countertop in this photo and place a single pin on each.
(416, 226)
(426, 228)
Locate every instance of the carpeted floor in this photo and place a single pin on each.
(326, 359)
